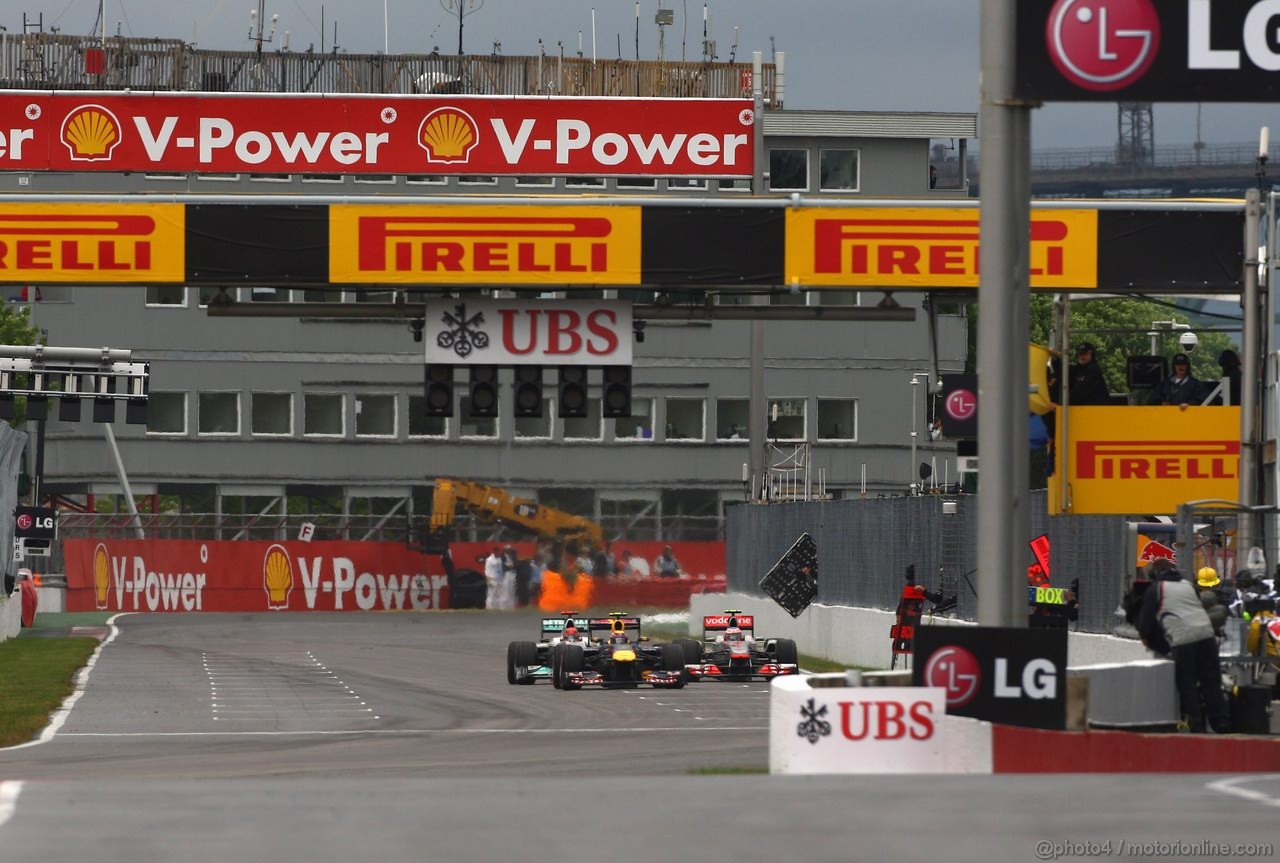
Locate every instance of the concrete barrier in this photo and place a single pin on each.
(860, 636)
(10, 616)
(1130, 694)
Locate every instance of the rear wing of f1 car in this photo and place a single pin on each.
(599, 627)
(716, 623)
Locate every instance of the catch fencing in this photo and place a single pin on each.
(865, 546)
(12, 444)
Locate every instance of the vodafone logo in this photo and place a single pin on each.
(1102, 45)
(24, 522)
(961, 405)
(957, 671)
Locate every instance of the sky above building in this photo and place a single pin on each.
(861, 55)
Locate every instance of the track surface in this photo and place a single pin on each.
(395, 736)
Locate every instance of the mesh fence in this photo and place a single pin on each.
(12, 444)
(865, 546)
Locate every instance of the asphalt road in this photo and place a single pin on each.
(350, 737)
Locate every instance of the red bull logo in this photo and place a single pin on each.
(1153, 550)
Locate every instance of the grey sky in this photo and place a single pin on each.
(888, 55)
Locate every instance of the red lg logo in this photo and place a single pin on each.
(961, 405)
(957, 671)
(24, 522)
(1102, 45)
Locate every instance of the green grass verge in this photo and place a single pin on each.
(36, 678)
(68, 619)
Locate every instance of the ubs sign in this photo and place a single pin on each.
(1169, 51)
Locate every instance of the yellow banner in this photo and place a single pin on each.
(917, 247)
(1146, 460)
(92, 243)
(480, 245)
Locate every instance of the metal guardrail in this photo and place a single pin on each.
(44, 61)
(1164, 158)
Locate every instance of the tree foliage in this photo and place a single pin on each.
(16, 329)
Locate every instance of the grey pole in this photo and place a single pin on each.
(1245, 538)
(756, 405)
(1005, 239)
(124, 482)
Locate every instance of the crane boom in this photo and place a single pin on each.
(493, 504)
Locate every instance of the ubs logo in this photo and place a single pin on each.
(957, 671)
(1102, 45)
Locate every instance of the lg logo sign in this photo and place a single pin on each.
(1103, 45)
(26, 522)
(958, 671)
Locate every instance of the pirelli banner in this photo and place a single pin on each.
(1129, 460)
(614, 243)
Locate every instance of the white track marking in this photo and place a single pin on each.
(423, 732)
(63, 713)
(1231, 786)
(9, 792)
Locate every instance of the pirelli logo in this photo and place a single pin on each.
(92, 243)
(485, 245)
(1157, 460)
(930, 248)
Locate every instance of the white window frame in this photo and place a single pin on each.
(746, 426)
(857, 174)
(768, 417)
(151, 305)
(463, 400)
(684, 440)
(631, 438)
(599, 421)
(342, 397)
(422, 405)
(808, 169)
(837, 440)
(253, 414)
(186, 419)
(548, 417)
(395, 416)
(239, 413)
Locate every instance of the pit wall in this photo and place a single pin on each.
(860, 636)
(10, 616)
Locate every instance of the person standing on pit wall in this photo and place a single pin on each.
(666, 565)
(1229, 362)
(1180, 388)
(493, 579)
(1172, 610)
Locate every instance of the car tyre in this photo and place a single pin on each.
(511, 662)
(572, 659)
(526, 655)
(785, 652)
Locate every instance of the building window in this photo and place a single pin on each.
(585, 428)
(269, 295)
(639, 426)
(270, 178)
(321, 178)
(532, 428)
(789, 170)
(584, 182)
(323, 414)
(375, 415)
(734, 185)
(272, 413)
(375, 178)
(320, 295)
(167, 295)
(650, 183)
(838, 170)
(837, 419)
(219, 413)
(535, 181)
(786, 419)
(427, 179)
(685, 419)
(469, 426)
(477, 181)
(421, 425)
(732, 418)
(686, 183)
(167, 413)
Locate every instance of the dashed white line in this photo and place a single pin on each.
(9, 792)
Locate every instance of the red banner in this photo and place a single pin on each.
(232, 133)
(193, 575)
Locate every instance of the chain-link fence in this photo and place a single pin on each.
(865, 546)
(12, 444)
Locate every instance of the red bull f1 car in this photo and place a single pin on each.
(729, 650)
(615, 655)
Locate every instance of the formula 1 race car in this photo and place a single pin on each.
(615, 655)
(729, 650)
(530, 661)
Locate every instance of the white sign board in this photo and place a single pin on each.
(468, 331)
(307, 531)
(855, 729)
(967, 463)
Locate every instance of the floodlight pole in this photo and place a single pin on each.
(756, 424)
(1004, 520)
(1253, 358)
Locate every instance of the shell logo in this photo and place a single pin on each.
(91, 133)
(101, 576)
(448, 135)
(277, 577)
